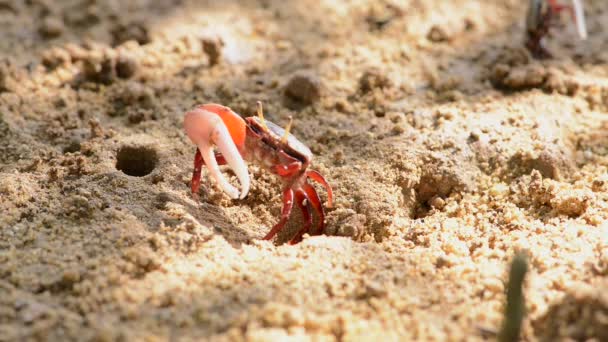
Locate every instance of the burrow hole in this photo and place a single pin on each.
(136, 161)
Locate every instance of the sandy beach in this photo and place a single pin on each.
(448, 146)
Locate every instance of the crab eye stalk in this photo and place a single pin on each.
(287, 129)
(261, 115)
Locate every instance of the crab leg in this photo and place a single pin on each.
(198, 165)
(315, 201)
(300, 197)
(196, 173)
(317, 177)
(204, 128)
(287, 206)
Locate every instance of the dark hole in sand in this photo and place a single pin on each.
(72, 147)
(136, 161)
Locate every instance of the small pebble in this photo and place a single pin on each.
(398, 129)
(6, 84)
(125, 67)
(103, 71)
(343, 106)
(304, 87)
(51, 27)
(55, 57)
(372, 79)
(70, 276)
(132, 31)
(437, 34)
(571, 203)
(437, 202)
(396, 117)
(499, 189)
(137, 117)
(213, 49)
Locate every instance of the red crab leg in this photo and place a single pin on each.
(287, 206)
(317, 177)
(300, 197)
(198, 166)
(315, 201)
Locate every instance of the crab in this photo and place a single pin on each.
(259, 141)
(540, 18)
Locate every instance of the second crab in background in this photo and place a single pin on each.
(540, 18)
(260, 141)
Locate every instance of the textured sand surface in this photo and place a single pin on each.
(449, 149)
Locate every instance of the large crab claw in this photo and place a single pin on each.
(213, 124)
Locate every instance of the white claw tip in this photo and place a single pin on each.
(244, 186)
(579, 15)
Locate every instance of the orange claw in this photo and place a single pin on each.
(214, 125)
(235, 124)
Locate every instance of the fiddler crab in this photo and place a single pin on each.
(262, 142)
(540, 18)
